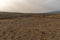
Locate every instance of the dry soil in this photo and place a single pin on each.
(31, 27)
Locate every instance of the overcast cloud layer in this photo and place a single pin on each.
(29, 6)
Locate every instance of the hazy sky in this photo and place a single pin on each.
(29, 6)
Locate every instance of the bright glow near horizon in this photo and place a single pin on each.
(3, 4)
(29, 6)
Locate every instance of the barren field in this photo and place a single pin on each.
(30, 27)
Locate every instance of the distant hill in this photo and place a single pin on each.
(55, 12)
(12, 15)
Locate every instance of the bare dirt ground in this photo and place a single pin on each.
(33, 27)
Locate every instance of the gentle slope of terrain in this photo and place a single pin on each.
(29, 26)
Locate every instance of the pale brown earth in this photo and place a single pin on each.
(33, 27)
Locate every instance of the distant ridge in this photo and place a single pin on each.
(55, 12)
(13, 15)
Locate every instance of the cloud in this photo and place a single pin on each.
(31, 6)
